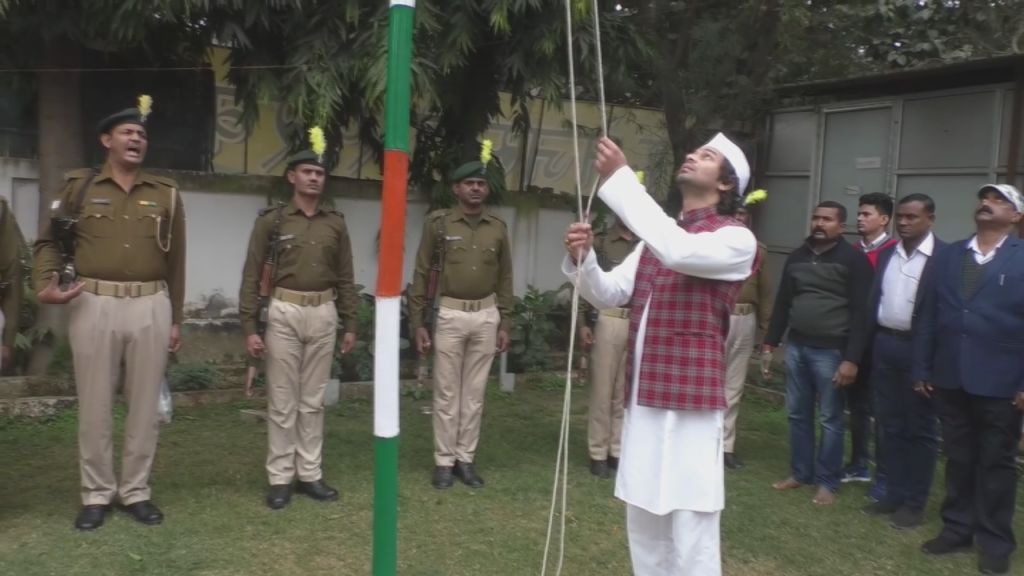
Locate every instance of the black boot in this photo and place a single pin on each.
(317, 490)
(91, 517)
(145, 512)
(442, 477)
(600, 468)
(279, 495)
(465, 472)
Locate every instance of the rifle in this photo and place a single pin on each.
(266, 285)
(62, 226)
(434, 277)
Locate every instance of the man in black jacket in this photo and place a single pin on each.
(821, 300)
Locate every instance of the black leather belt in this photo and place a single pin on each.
(901, 334)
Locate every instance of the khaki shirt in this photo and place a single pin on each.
(757, 290)
(121, 235)
(477, 262)
(317, 257)
(11, 281)
(610, 248)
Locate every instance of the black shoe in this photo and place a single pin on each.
(907, 518)
(442, 477)
(732, 462)
(317, 490)
(464, 471)
(91, 517)
(145, 512)
(988, 564)
(613, 462)
(882, 508)
(943, 545)
(279, 495)
(600, 468)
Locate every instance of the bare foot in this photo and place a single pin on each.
(824, 497)
(787, 484)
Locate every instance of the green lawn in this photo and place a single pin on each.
(209, 481)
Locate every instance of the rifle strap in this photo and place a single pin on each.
(75, 201)
(441, 232)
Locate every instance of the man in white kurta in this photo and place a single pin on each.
(671, 469)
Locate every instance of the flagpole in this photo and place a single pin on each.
(389, 288)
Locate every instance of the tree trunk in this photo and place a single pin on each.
(673, 54)
(60, 150)
(60, 120)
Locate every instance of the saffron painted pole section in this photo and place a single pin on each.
(389, 289)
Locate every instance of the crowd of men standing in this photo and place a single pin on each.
(913, 338)
(920, 334)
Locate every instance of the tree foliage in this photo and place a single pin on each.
(710, 64)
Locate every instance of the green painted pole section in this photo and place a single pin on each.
(396, 140)
(396, 110)
(385, 507)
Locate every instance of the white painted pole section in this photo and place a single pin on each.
(385, 367)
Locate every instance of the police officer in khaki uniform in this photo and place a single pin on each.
(750, 314)
(473, 319)
(11, 286)
(312, 285)
(125, 305)
(606, 334)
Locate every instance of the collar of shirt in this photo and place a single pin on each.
(458, 214)
(107, 173)
(293, 208)
(926, 247)
(869, 246)
(696, 215)
(973, 246)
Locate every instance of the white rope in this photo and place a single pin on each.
(562, 457)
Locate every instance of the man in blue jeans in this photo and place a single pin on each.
(821, 301)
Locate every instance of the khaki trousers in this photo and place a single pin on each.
(464, 348)
(607, 386)
(300, 346)
(105, 330)
(739, 345)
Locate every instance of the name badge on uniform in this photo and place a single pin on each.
(452, 238)
(55, 205)
(148, 204)
(104, 201)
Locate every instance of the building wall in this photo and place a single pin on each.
(220, 211)
(944, 144)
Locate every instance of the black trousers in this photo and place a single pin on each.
(860, 402)
(980, 436)
(908, 422)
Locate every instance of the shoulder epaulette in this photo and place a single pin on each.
(169, 182)
(268, 209)
(498, 218)
(78, 174)
(441, 213)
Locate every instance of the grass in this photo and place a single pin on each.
(209, 480)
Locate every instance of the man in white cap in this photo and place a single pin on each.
(680, 285)
(968, 353)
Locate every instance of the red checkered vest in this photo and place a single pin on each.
(684, 361)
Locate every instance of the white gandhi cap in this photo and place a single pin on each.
(735, 156)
